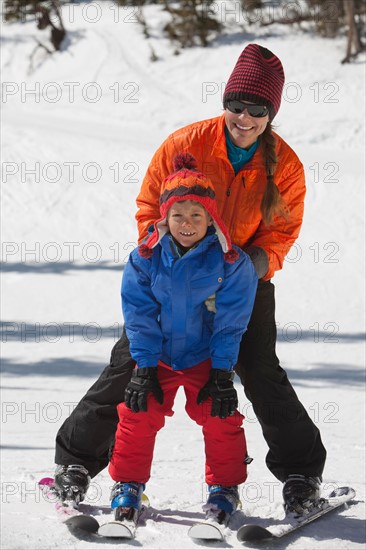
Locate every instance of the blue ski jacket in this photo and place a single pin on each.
(163, 304)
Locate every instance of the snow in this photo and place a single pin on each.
(78, 133)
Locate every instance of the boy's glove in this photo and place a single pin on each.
(143, 382)
(221, 388)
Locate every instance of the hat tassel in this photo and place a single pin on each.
(145, 251)
(231, 256)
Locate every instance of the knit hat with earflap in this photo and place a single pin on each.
(188, 184)
(258, 77)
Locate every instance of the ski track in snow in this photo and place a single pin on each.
(62, 317)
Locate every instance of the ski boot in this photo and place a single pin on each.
(127, 500)
(221, 503)
(301, 494)
(71, 483)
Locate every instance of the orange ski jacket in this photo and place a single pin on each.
(238, 196)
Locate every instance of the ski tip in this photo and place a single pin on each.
(205, 531)
(252, 532)
(116, 529)
(342, 492)
(83, 522)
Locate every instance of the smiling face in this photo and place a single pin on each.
(243, 128)
(188, 222)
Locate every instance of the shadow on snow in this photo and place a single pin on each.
(62, 366)
(41, 268)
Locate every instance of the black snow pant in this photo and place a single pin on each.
(87, 435)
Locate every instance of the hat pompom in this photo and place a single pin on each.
(184, 161)
(145, 251)
(231, 256)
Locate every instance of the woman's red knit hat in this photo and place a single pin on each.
(187, 183)
(258, 77)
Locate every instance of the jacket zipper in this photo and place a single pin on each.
(228, 191)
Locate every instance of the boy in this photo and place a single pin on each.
(187, 297)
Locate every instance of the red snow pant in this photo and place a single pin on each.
(225, 444)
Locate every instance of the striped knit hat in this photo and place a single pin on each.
(257, 77)
(187, 183)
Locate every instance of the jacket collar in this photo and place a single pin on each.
(168, 245)
(219, 147)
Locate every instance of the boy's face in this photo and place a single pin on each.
(188, 222)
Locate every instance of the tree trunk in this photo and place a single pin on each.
(353, 38)
(57, 34)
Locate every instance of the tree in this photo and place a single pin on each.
(44, 12)
(192, 21)
(354, 35)
(329, 18)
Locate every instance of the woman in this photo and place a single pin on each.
(260, 188)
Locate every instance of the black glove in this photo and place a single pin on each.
(143, 382)
(221, 388)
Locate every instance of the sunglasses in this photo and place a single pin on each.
(238, 107)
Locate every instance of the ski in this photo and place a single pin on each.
(211, 528)
(118, 529)
(67, 513)
(76, 520)
(336, 499)
(207, 531)
(85, 523)
(125, 528)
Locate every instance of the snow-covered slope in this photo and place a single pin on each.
(78, 133)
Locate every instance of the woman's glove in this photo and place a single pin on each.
(143, 382)
(221, 388)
